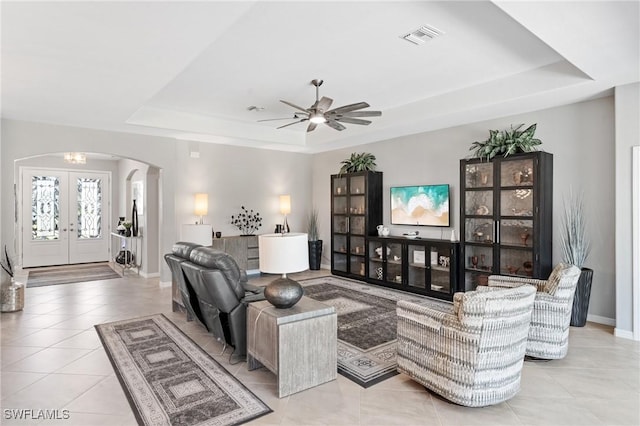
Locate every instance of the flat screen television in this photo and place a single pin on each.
(424, 205)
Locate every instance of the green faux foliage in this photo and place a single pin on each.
(358, 163)
(506, 142)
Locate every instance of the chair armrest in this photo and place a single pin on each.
(506, 281)
(424, 315)
(252, 288)
(253, 298)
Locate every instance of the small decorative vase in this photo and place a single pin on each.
(134, 220)
(283, 293)
(127, 232)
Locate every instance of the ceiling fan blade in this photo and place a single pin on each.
(362, 114)
(335, 125)
(275, 119)
(291, 124)
(352, 120)
(312, 127)
(324, 104)
(346, 108)
(294, 106)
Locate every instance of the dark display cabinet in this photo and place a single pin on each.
(356, 210)
(423, 266)
(506, 217)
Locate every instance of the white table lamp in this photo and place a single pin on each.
(283, 254)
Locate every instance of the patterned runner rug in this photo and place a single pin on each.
(367, 325)
(170, 380)
(70, 274)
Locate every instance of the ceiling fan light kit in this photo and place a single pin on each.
(320, 113)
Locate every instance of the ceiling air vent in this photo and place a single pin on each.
(422, 34)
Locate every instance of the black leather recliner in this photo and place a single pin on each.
(180, 252)
(223, 293)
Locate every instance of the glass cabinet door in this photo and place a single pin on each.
(440, 270)
(376, 260)
(394, 263)
(419, 261)
(515, 228)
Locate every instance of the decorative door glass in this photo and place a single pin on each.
(394, 263)
(417, 261)
(89, 207)
(517, 172)
(479, 175)
(45, 208)
(479, 203)
(440, 271)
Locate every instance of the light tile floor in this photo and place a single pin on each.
(51, 358)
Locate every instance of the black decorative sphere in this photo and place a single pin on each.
(283, 293)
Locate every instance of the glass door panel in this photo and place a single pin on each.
(356, 204)
(45, 208)
(357, 225)
(516, 172)
(356, 265)
(479, 259)
(89, 208)
(340, 243)
(418, 258)
(357, 246)
(441, 271)
(340, 205)
(376, 261)
(479, 203)
(479, 231)
(339, 186)
(516, 262)
(340, 224)
(479, 175)
(340, 262)
(394, 263)
(356, 185)
(518, 202)
(515, 232)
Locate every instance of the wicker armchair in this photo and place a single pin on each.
(472, 354)
(549, 332)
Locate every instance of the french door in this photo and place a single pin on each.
(65, 217)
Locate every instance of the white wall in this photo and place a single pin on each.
(233, 176)
(581, 137)
(627, 125)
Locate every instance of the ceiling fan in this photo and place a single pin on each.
(320, 113)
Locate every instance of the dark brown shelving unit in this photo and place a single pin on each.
(356, 210)
(506, 217)
(423, 266)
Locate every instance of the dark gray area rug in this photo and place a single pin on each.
(367, 325)
(70, 274)
(170, 380)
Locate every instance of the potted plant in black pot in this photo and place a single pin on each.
(315, 243)
(575, 250)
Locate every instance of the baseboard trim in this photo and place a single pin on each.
(601, 320)
(625, 334)
(149, 275)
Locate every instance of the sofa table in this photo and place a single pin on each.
(298, 344)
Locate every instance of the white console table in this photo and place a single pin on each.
(133, 244)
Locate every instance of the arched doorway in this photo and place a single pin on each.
(117, 203)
